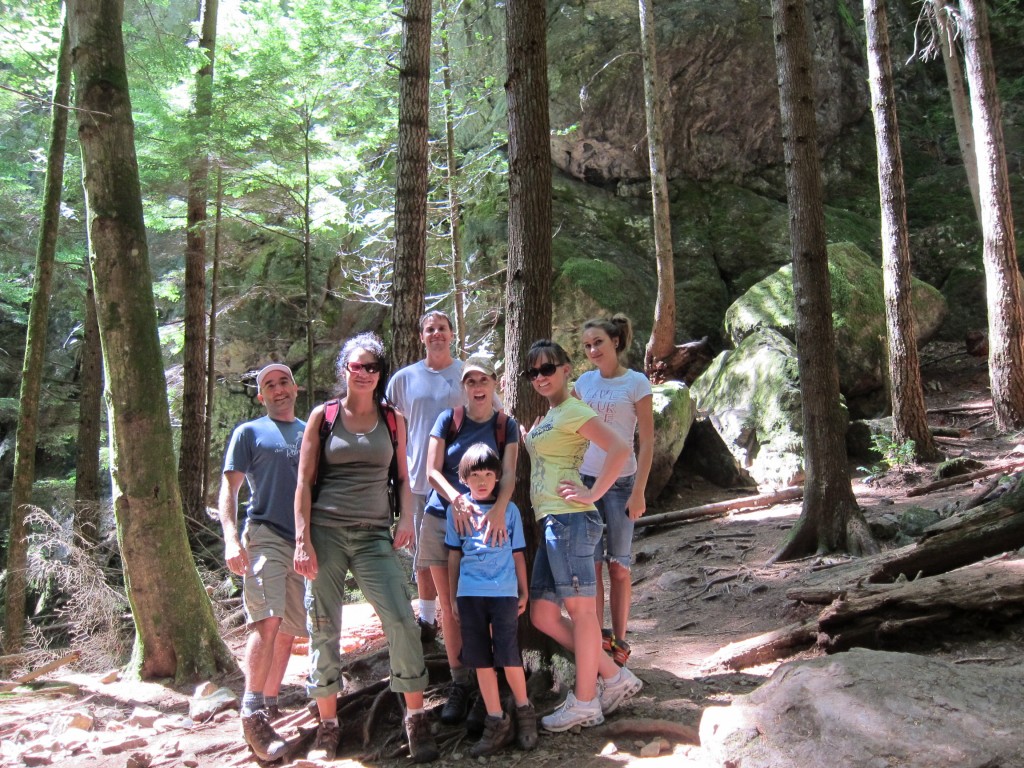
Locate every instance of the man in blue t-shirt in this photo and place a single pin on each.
(265, 453)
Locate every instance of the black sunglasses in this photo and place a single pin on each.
(368, 367)
(548, 369)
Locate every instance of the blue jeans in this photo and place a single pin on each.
(564, 566)
(616, 544)
(368, 553)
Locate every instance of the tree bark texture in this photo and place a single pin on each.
(90, 415)
(176, 634)
(409, 279)
(663, 331)
(452, 178)
(35, 355)
(943, 12)
(192, 458)
(211, 341)
(830, 519)
(909, 418)
(528, 278)
(1002, 273)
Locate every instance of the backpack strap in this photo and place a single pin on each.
(455, 425)
(500, 428)
(331, 410)
(391, 420)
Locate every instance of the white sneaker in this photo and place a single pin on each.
(572, 713)
(618, 690)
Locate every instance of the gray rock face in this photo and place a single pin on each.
(673, 415)
(752, 397)
(871, 709)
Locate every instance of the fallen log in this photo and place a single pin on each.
(70, 658)
(961, 539)
(938, 485)
(721, 507)
(876, 615)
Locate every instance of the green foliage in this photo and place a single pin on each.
(894, 455)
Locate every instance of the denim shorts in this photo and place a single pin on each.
(616, 544)
(564, 566)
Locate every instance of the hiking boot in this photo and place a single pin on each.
(326, 745)
(422, 747)
(455, 708)
(526, 726)
(261, 737)
(498, 734)
(476, 717)
(615, 692)
(428, 631)
(572, 713)
(274, 713)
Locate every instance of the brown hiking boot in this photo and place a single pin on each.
(498, 734)
(428, 631)
(326, 745)
(526, 726)
(422, 747)
(261, 737)
(274, 713)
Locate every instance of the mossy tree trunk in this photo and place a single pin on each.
(176, 634)
(35, 353)
(909, 418)
(409, 282)
(90, 416)
(830, 519)
(1002, 272)
(192, 458)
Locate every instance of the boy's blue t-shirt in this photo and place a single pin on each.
(487, 571)
(472, 432)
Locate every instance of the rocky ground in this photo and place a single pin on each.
(698, 586)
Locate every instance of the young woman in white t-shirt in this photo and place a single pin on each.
(622, 399)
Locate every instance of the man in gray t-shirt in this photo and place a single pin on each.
(421, 391)
(265, 454)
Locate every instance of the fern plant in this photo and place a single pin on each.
(895, 455)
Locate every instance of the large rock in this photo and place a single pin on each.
(673, 415)
(869, 709)
(858, 312)
(752, 397)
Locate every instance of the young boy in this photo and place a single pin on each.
(489, 583)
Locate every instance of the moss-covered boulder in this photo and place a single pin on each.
(752, 397)
(674, 411)
(858, 315)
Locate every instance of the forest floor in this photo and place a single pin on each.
(697, 587)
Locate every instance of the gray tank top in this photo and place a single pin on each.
(354, 489)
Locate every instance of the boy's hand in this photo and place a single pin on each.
(523, 599)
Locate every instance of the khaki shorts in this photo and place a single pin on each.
(431, 550)
(271, 586)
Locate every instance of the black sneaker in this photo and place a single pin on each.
(498, 734)
(422, 747)
(476, 717)
(455, 708)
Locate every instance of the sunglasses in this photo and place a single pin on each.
(368, 367)
(548, 369)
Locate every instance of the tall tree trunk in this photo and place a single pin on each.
(1002, 273)
(307, 256)
(942, 12)
(830, 519)
(452, 180)
(409, 280)
(211, 347)
(192, 459)
(175, 632)
(663, 332)
(35, 355)
(90, 415)
(909, 419)
(528, 283)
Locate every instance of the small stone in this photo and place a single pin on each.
(203, 708)
(111, 677)
(651, 750)
(190, 762)
(204, 689)
(144, 718)
(37, 758)
(82, 721)
(610, 749)
(122, 745)
(138, 760)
